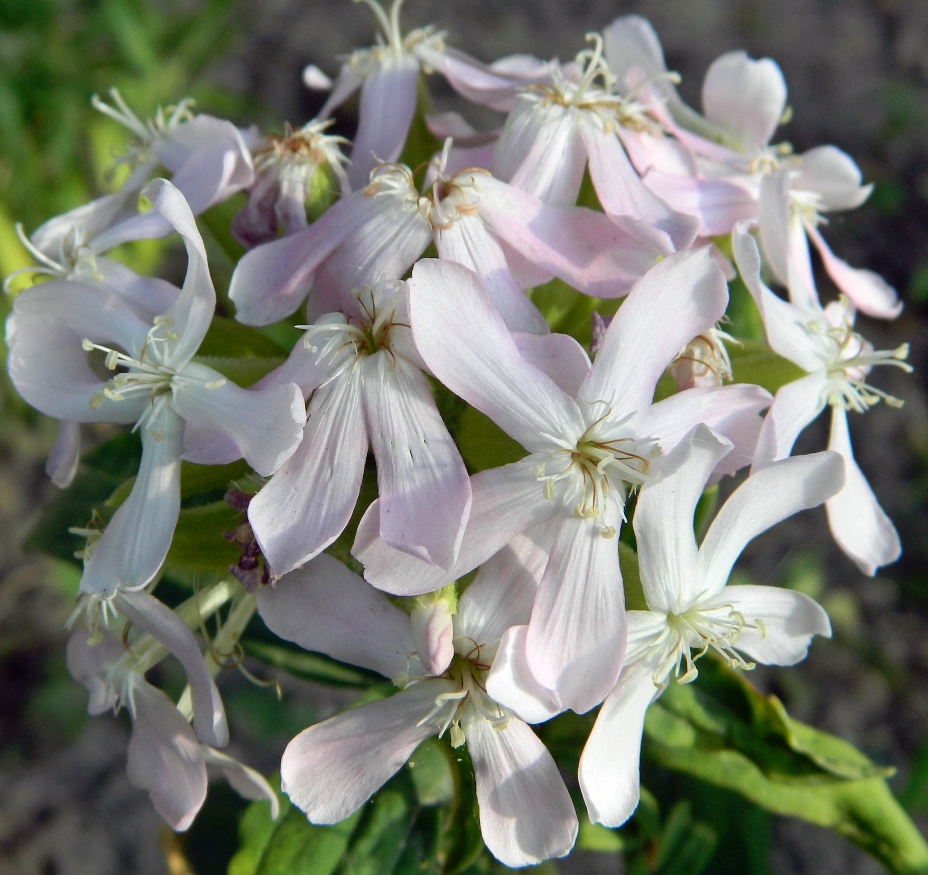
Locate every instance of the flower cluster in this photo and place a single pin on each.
(543, 626)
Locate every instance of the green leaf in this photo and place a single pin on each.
(291, 845)
(722, 731)
(483, 444)
(309, 666)
(596, 837)
(382, 835)
(631, 579)
(196, 479)
(754, 362)
(198, 544)
(432, 773)
(242, 371)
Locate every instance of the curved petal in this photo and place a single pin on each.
(764, 499)
(526, 815)
(868, 291)
(87, 664)
(609, 764)
(138, 537)
(422, 482)
(506, 501)
(858, 523)
(325, 607)
(794, 406)
(266, 425)
(833, 176)
(667, 553)
(433, 633)
(557, 355)
(388, 102)
(576, 635)
(773, 211)
(745, 96)
(308, 502)
(512, 684)
(788, 620)
(146, 612)
(718, 203)
(165, 757)
(248, 783)
(466, 344)
(331, 769)
(65, 454)
(677, 300)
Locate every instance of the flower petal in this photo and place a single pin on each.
(512, 684)
(422, 482)
(248, 783)
(526, 815)
(557, 355)
(506, 501)
(325, 607)
(138, 537)
(609, 764)
(308, 502)
(764, 499)
(858, 523)
(833, 176)
(146, 612)
(466, 344)
(745, 96)
(773, 210)
(266, 425)
(667, 552)
(433, 633)
(331, 769)
(788, 620)
(65, 454)
(794, 406)
(576, 635)
(718, 203)
(87, 664)
(677, 300)
(165, 757)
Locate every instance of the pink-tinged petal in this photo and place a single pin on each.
(677, 300)
(138, 537)
(468, 242)
(504, 590)
(858, 523)
(649, 152)
(590, 252)
(350, 78)
(423, 484)
(576, 636)
(773, 210)
(667, 552)
(794, 406)
(833, 176)
(388, 102)
(557, 355)
(315, 80)
(305, 367)
(764, 499)
(784, 322)
(787, 622)
(146, 612)
(506, 501)
(745, 96)
(248, 783)
(495, 86)
(272, 280)
(466, 344)
(433, 632)
(526, 815)
(190, 315)
(610, 763)
(265, 425)
(622, 193)
(512, 684)
(48, 365)
(150, 296)
(868, 291)
(801, 285)
(331, 769)
(65, 454)
(733, 412)
(325, 607)
(87, 664)
(165, 757)
(541, 151)
(718, 203)
(308, 502)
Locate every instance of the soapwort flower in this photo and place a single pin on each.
(332, 768)
(690, 609)
(63, 332)
(822, 341)
(366, 383)
(589, 446)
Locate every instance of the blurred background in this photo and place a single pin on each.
(857, 72)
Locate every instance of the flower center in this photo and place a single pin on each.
(301, 151)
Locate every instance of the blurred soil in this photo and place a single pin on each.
(857, 75)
